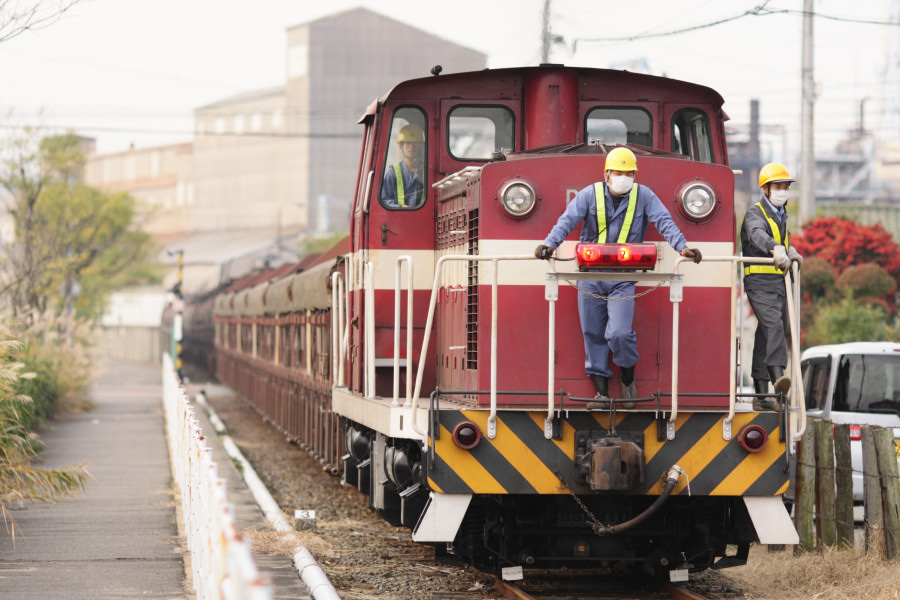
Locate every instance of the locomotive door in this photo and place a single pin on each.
(396, 224)
(359, 241)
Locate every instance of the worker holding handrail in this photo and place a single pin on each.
(764, 233)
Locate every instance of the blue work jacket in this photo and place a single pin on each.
(649, 209)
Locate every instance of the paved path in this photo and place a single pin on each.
(119, 538)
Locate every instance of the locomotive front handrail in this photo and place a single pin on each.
(492, 419)
(792, 298)
(551, 294)
(676, 282)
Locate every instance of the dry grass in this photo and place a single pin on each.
(266, 541)
(830, 575)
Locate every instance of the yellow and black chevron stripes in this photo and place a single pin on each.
(520, 460)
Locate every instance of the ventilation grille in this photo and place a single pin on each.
(472, 294)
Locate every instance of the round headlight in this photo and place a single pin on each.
(518, 198)
(698, 200)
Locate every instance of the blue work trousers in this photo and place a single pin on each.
(607, 325)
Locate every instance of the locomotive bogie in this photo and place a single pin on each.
(545, 532)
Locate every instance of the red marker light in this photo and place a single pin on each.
(466, 435)
(753, 438)
(633, 257)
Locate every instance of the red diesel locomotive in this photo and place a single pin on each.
(439, 367)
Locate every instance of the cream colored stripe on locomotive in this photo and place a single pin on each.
(385, 268)
(530, 272)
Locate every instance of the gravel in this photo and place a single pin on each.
(363, 556)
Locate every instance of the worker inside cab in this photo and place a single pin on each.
(403, 185)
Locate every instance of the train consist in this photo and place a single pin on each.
(438, 367)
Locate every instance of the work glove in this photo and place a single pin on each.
(795, 256)
(692, 253)
(781, 258)
(543, 252)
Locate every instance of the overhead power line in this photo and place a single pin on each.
(245, 134)
(757, 11)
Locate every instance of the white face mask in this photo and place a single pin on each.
(779, 197)
(620, 184)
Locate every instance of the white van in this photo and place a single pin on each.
(856, 383)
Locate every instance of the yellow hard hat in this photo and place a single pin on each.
(774, 173)
(410, 133)
(621, 159)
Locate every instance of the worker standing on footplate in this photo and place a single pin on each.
(606, 308)
(764, 233)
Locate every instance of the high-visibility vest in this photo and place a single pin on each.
(601, 213)
(401, 192)
(771, 269)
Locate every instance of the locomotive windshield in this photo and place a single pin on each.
(475, 132)
(610, 126)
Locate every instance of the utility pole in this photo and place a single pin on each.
(807, 146)
(545, 34)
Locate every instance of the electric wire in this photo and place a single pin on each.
(757, 11)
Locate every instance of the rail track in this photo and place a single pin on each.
(565, 586)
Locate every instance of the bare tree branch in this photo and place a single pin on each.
(18, 16)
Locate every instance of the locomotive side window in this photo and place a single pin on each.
(691, 135)
(610, 126)
(475, 132)
(403, 185)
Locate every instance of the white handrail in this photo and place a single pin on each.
(346, 283)
(793, 322)
(796, 397)
(430, 321)
(337, 320)
(409, 323)
(370, 330)
(456, 175)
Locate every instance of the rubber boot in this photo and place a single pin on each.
(761, 386)
(601, 400)
(629, 389)
(782, 381)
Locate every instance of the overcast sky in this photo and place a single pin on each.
(132, 71)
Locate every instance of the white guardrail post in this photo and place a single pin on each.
(223, 566)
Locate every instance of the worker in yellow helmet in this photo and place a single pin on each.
(764, 234)
(404, 182)
(616, 210)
